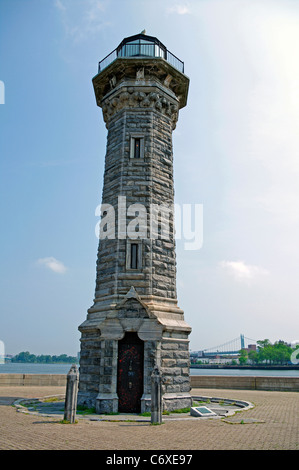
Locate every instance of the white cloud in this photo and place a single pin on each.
(81, 18)
(53, 264)
(179, 9)
(241, 271)
(59, 5)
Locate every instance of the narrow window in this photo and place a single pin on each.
(137, 147)
(134, 256)
(137, 143)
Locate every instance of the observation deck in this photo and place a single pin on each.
(141, 46)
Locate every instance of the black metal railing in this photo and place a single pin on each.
(145, 49)
(175, 61)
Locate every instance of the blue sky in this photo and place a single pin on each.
(235, 149)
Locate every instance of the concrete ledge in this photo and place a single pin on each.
(197, 381)
(12, 380)
(278, 383)
(246, 382)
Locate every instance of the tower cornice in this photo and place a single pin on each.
(139, 69)
(148, 94)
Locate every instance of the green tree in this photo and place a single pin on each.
(277, 353)
(44, 359)
(24, 356)
(264, 350)
(253, 356)
(281, 352)
(243, 357)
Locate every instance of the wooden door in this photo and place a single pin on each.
(130, 373)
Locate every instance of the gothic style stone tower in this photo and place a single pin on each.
(135, 322)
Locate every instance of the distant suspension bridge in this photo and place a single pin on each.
(231, 347)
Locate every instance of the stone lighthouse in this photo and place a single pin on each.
(135, 322)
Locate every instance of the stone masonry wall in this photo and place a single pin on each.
(175, 367)
(90, 362)
(147, 180)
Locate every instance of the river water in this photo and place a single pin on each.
(26, 368)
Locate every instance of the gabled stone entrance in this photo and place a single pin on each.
(163, 344)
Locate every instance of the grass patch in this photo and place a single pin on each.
(83, 410)
(166, 412)
(65, 421)
(51, 400)
(181, 410)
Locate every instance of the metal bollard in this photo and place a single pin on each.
(71, 394)
(156, 396)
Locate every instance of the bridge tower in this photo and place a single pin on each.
(135, 322)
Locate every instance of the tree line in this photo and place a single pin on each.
(25, 356)
(267, 353)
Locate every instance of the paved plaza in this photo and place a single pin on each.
(272, 424)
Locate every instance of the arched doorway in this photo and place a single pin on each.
(130, 373)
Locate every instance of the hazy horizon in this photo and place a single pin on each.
(235, 153)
